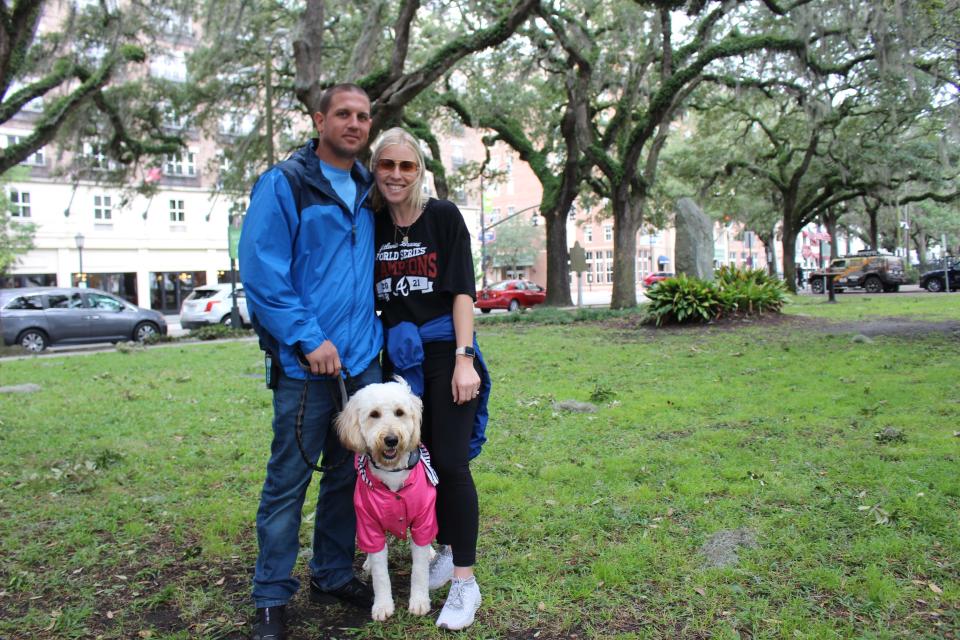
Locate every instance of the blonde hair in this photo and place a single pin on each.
(401, 137)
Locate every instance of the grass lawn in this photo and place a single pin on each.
(129, 484)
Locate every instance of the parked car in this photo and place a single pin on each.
(511, 295)
(656, 277)
(37, 317)
(870, 270)
(212, 304)
(935, 280)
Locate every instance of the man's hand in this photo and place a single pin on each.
(324, 360)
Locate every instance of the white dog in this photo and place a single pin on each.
(396, 486)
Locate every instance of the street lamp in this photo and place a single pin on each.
(79, 240)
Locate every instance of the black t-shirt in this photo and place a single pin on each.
(416, 280)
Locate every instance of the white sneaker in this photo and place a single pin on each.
(441, 568)
(461, 605)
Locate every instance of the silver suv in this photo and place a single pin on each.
(37, 317)
(211, 304)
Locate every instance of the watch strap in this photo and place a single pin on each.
(466, 351)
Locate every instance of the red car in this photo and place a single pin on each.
(511, 295)
(655, 277)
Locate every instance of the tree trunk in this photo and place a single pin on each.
(920, 242)
(789, 253)
(830, 222)
(768, 240)
(626, 222)
(874, 228)
(558, 265)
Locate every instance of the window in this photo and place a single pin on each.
(236, 123)
(609, 262)
(175, 23)
(26, 303)
(589, 260)
(608, 232)
(102, 208)
(588, 234)
(35, 105)
(176, 211)
(180, 164)
(19, 203)
(171, 67)
(100, 301)
(36, 160)
(96, 157)
(457, 159)
(64, 301)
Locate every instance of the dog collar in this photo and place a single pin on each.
(420, 454)
(412, 461)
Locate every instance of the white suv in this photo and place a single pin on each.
(211, 304)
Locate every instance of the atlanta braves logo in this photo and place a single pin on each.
(402, 289)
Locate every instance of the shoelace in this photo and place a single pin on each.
(455, 597)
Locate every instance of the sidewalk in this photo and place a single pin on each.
(174, 329)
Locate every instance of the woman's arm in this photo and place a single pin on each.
(466, 380)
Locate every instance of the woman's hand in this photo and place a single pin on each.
(466, 381)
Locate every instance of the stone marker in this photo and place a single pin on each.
(694, 245)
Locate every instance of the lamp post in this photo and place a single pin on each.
(79, 239)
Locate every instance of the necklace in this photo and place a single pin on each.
(404, 232)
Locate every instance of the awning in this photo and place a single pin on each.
(663, 260)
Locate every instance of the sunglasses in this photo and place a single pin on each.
(387, 165)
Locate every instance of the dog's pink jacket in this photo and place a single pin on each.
(380, 510)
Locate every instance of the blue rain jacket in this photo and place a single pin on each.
(306, 262)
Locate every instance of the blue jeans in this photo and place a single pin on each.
(285, 487)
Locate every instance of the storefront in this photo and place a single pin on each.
(17, 280)
(122, 285)
(169, 288)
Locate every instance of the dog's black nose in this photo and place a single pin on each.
(391, 441)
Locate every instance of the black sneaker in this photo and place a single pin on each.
(355, 592)
(271, 624)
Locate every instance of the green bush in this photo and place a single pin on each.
(684, 299)
(218, 332)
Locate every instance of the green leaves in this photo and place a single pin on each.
(682, 299)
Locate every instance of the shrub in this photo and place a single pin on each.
(683, 299)
(217, 332)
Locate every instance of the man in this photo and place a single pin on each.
(306, 259)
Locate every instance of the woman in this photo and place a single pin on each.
(425, 290)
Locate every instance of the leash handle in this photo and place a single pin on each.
(339, 402)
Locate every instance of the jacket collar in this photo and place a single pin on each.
(307, 157)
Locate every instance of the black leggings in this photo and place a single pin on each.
(446, 432)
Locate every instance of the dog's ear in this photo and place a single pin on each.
(348, 426)
(416, 412)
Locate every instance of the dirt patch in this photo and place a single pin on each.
(898, 327)
(721, 549)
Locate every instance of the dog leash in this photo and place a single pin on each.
(339, 401)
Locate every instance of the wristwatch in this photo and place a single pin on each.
(466, 351)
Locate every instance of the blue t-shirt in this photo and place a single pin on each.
(342, 182)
